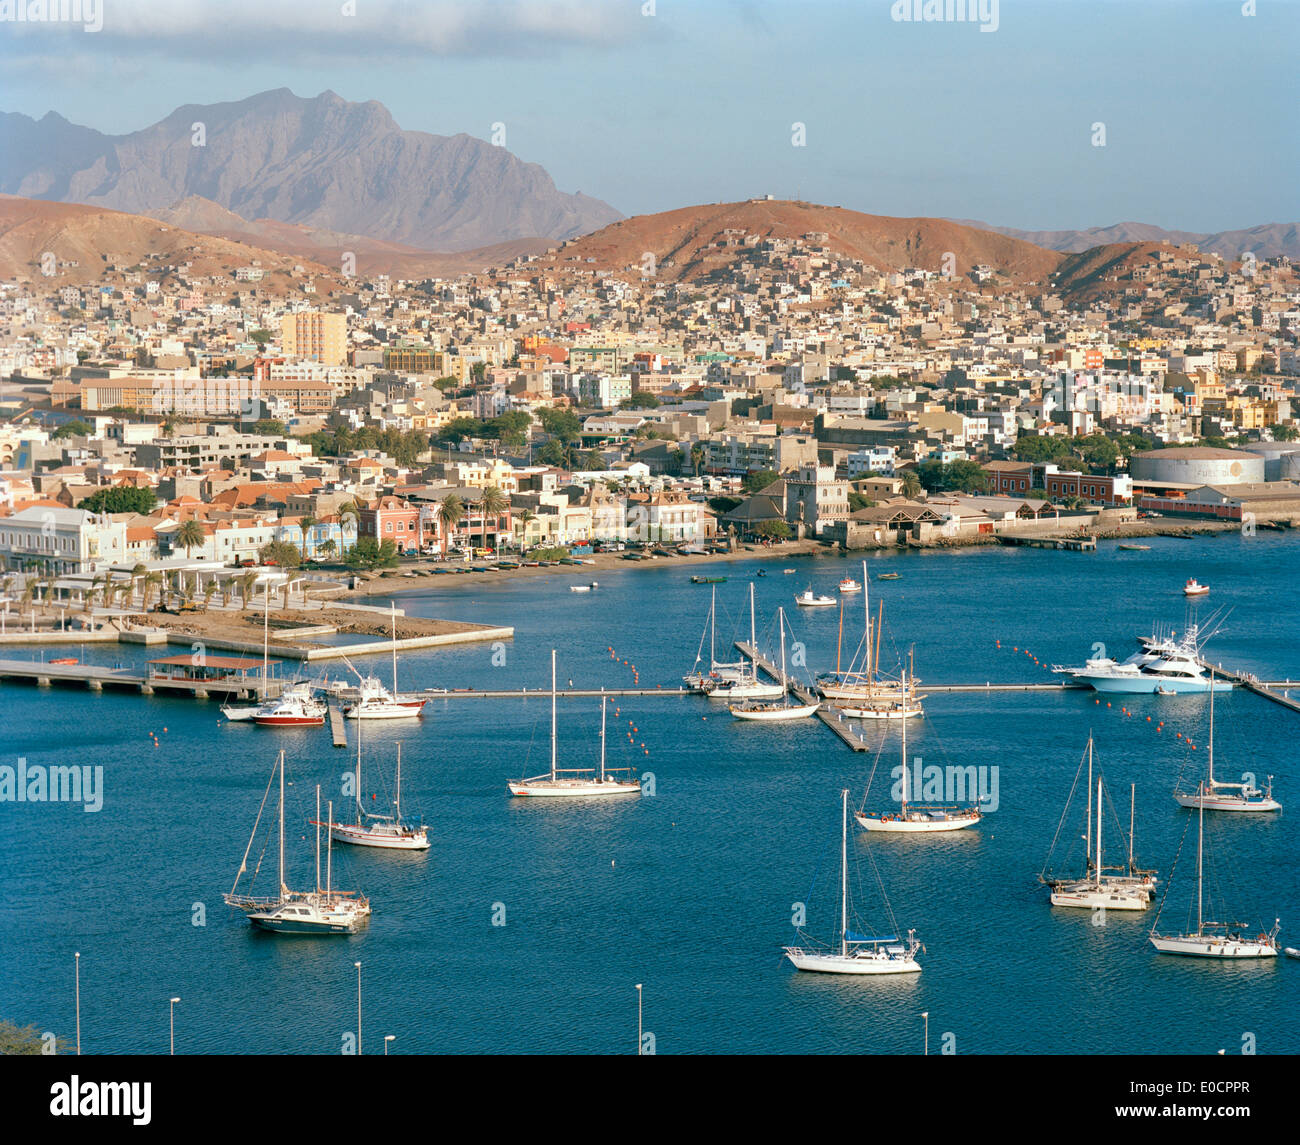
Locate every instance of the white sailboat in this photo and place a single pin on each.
(858, 953)
(917, 818)
(300, 912)
(1213, 939)
(863, 692)
(239, 712)
(582, 784)
(375, 702)
(746, 685)
(782, 709)
(1095, 888)
(699, 681)
(387, 831)
(1214, 795)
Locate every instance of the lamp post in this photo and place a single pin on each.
(171, 1010)
(926, 1015)
(358, 966)
(388, 1038)
(638, 1019)
(77, 962)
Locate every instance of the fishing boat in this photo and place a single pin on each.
(579, 588)
(914, 818)
(1213, 939)
(1195, 588)
(862, 691)
(320, 911)
(782, 709)
(744, 684)
(297, 706)
(848, 584)
(789, 572)
(1214, 795)
(375, 702)
(712, 579)
(810, 599)
(858, 953)
(575, 782)
(386, 831)
(1115, 888)
(888, 576)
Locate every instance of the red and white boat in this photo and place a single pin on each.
(375, 702)
(848, 584)
(1195, 588)
(297, 707)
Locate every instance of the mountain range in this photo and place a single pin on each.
(1266, 241)
(323, 163)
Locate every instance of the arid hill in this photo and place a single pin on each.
(690, 243)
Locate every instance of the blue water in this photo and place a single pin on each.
(688, 892)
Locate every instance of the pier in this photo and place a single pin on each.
(1072, 544)
(96, 678)
(337, 728)
(1269, 690)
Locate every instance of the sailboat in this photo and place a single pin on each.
(240, 712)
(381, 830)
(698, 681)
(746, 685)
(1095, 888)
(1213, 939)
(375, 702)
(917, 817)
(782, 709)
(582, 784)
(1214, 795)
(858, 953)
(862, 692)
(300, 912)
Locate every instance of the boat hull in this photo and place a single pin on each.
(851, 963)
(913, 826)
(1212, 946)
(879, 713)
(398, 711)
(236, 715)
(359, 837)
(289, 721)
(571, 789)
(1226, 803)
(1108, 898)
(303, 926)
(747, 692)
(800, 712)
(1140, 685)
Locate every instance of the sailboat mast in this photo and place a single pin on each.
(780, 615)
(360, 721)
(1211, 759)
(713, 608)
(753, 639)
(844, 872)
(394, 607)
(1099, 832)
(839, 641)
(866, 617)
(318, 838)
(875, 659)
(1132, 807)
(602, 734)
(282, 886)
(552, 715)
(907, 779)
(1087, 846)
(398, 803)
(1200, 848)
(329, 854)
(266, 640)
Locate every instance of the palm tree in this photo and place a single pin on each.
(450, 514)
(208, 593)
(305, 522)
(911, 485)
(350, 510)
(492, 503)
(525, 518)
(137, 572)
(246, 583)
(698, 454)
(326, 547)
(190, 536)
(89, 598)
(151, 579)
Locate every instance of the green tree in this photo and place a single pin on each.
(305, 523)
(459, 429)
(189, 536)
(510, 428)
(120, 499)
(723, 505)
(279, 553)
(561, 423)
(75, 428)
(911, 487)
(327, 547)
(640, 400)
(492, 504)
(26, 1041)
(772, 530)
(758, 479)
(247, 582)
(261, 337)
(368, 553)
(1284, 432)
(269, 425)
(858, 501)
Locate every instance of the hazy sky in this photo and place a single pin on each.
(696, 102)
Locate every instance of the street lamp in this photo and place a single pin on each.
(358, 966)
(77, 957)
(638, 1019)
(926, 1015)
(388, 1038)
(171, 1011)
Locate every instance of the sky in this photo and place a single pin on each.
(657, 104)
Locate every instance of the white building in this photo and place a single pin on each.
(61, 540)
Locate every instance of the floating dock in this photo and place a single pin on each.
(1072, 544)
(337, 728)
(97, 677)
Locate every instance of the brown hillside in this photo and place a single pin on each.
(689, 243)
